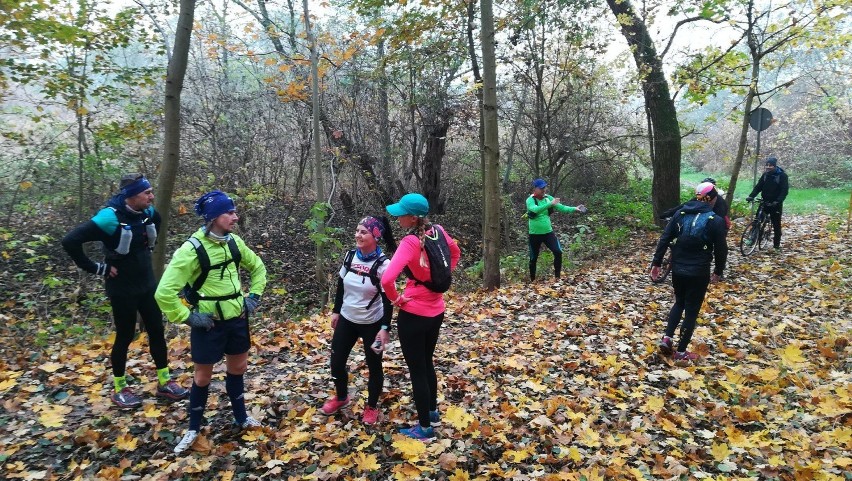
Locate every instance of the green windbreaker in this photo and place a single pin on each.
(184, 268)
(539, 222)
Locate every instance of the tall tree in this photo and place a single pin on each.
(491, 152)
(319, 185)
(171, 124)
(664, 136)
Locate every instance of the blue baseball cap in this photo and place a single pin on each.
(410, 204)
(539, 183)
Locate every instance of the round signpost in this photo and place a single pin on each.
(759, 119)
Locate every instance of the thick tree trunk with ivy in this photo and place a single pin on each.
(665, 134)
(171, 149)
(491, 153)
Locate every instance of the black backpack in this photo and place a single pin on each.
(373, 274)
(533, 215)
(191, 293)
(438, 252)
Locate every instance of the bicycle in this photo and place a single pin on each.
(758, 234)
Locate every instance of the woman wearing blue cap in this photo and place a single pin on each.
(214, 306)
(539, 207)
(127, 227)
(421, 307)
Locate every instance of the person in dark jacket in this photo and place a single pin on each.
(697, 237)
(774, 186)
(127, 227)
(720, 206)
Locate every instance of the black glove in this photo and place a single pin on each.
(197, 319)
(102, 269)
(251, 303)
(749, 199)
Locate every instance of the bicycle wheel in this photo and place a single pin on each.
(665, 268)
(765, 235)
(749, 239)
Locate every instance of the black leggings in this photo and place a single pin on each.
(124, 309)
(552, 243)
(345, 335)
(689, 295)
(418, 336)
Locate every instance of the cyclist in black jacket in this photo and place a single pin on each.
(775, 187)
(697, 238)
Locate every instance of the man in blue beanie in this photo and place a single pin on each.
(127, 227)
(214, 306)
(774, 186)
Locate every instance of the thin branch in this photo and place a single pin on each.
(159, 29)
(684, 22)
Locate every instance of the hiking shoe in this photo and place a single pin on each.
(250, 422)
(665, 345)
(186, 442)
(173, 391)
(333, 405)
(126, 399)
(684, 358)
(370, 416)
(419, 432)
(434, 417)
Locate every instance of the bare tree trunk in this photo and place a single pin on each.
(315, 127)
(171, 147)
(665, 137)
(436, 147)
(387, 173)
(491, 149)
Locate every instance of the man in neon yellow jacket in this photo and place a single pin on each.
(539, 207)
(206, 270)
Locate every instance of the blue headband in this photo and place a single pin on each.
(213, 204)
(139, 185)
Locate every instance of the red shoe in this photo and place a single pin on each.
(333, 405)
(684, 358)
(370, 416)
(665, 346)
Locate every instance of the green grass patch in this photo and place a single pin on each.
(808, 201)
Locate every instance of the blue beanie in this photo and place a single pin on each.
(139, 185)
(772, 161)
(213, 204)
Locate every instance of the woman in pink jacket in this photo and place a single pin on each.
(421, 309)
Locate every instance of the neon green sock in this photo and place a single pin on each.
(163, 376)
(119, 382)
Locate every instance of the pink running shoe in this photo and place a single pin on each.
(333, 405)
(370, 416)
(684, 358)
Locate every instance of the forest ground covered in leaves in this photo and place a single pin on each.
(536, 381)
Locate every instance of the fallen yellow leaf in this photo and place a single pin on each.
(720, 451)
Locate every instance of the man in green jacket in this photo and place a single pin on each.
(206, 269)
(539, 207)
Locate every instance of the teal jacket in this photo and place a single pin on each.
(184, 268)
(538, 212)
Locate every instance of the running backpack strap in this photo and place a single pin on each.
(347, 260)
(191, 291)
(374, 278)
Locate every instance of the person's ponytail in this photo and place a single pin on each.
(387, 234)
